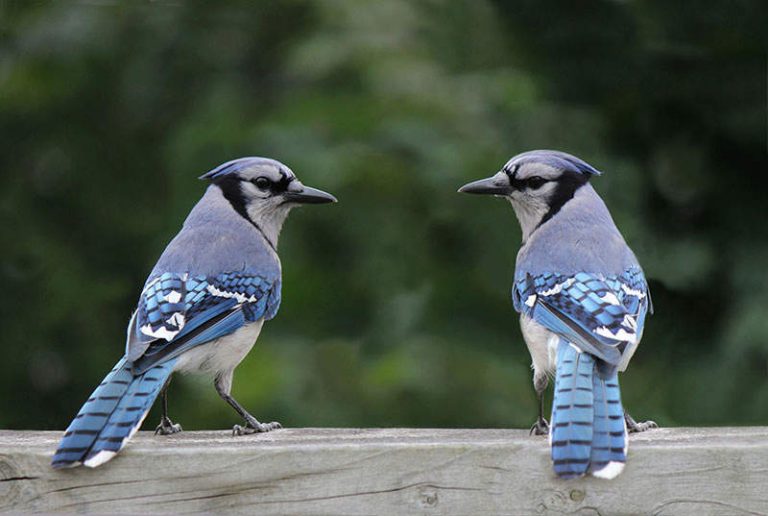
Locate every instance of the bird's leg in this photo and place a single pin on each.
(540, 382)
(223, 384)
(635, 427)
(166, 426)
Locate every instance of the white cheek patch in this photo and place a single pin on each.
(252, 191)
(548, 188)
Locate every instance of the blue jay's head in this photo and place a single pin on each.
(263, 191)
(537, 183)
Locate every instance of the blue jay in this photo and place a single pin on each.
(201, 309)
(582, 299)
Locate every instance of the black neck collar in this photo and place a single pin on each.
(233, 192)
(566, 188)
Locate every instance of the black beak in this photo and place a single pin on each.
(494, 185)
(307, 195)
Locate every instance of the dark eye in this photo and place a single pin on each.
(262, 183)
(535, 182)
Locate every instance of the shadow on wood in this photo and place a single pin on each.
(388, 471)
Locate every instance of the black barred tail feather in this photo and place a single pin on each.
(609, 443)
(111, 416)
(93, 416)
(587, 432)
(572, 411)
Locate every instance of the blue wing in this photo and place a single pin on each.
(602, 315)
(179, 311)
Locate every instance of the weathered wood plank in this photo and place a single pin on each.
(388, 471)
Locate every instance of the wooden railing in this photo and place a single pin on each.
(388, 471)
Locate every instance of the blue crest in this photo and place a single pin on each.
(236, 165)
(555, 159)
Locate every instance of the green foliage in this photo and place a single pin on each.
(396, 301)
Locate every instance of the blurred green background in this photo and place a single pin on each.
(396, 308)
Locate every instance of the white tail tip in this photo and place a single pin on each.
(611, 470)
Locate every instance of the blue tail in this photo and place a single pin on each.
(111, 416)
(609, 444)
(588, 433)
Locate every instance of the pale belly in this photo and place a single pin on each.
(542, 345)
(222, 354)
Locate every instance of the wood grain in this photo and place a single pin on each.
(388, 471)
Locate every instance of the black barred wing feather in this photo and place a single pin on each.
(179, 311)
(603, 315)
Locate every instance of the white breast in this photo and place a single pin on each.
(222, 354)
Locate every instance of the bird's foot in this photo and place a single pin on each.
(167, 427)
(635, 427)
(252, 426)
(540, 427)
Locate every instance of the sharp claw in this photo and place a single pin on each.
(645, 425)
(540, 427)
(253, 427)
(635, 427)
(167, 427)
